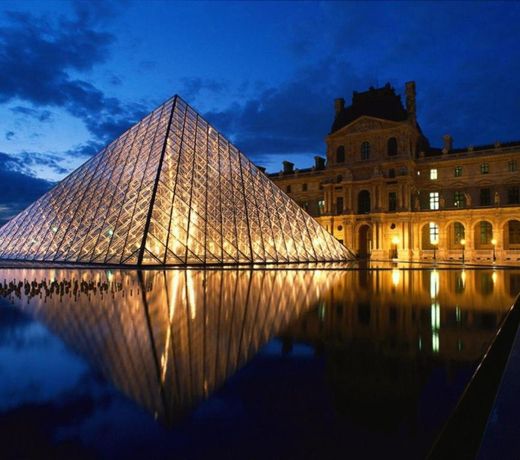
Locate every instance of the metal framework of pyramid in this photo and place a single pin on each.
(169, 191)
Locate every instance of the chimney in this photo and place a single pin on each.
(319, 163)
(410, 101)
(448, 143)
(339, 105)
(288, 167)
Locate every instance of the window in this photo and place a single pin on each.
(340, 154)
(304, 187)
(458, 171)
(513, 231)
(288, 189)
(391, 147)
(513, 195)
(364, 202)
(365, 150)
(391, 173)
(458, 232)
(339, 205)
(321, 207)
(485, 197)
(339, 178)
(486, 232)
(512, 166)
(459, 200)
(434, 200)
(433, 174)
(434, 233)
(392, 201)
(484, 168)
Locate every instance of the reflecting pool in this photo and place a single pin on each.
(290, 363)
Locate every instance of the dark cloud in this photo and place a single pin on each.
(292, 118)
(18, 188)
(192, 86)
(54, 50)
(9, 135)
(40, 115)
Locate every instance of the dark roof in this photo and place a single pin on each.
(437, 151)
(376, 102)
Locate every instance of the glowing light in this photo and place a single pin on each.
(435, 342)
(435, 316)
(493, 242)
(434, 284)
(463, 242)
(396, 276)
(110, 232)
(494, 277)
(396, 240)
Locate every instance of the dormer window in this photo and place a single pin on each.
(365, 150)
(340, 154)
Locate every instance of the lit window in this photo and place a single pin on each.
(434, 200)
(484, 168)
(434, 233)
(458, 171)
(365, 150)
(321, 207)
(512, 166)
(433, 174)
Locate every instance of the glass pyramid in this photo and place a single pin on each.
(169, 191)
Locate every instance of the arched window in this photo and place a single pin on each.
(340, 154)
(365, 150)
(483, 235)
(391, 147)
(364, 202)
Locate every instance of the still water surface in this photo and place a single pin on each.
(238, 363)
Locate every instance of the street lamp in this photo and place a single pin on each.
(463, 242)
(494, 243)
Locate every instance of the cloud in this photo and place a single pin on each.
(9, 135)
(291, 118)
(42, 56)
(18, 188)
(192, 86)
(40, 115)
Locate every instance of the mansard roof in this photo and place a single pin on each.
(376, 102)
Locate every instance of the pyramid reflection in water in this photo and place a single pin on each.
(167, 339)
(169, 191)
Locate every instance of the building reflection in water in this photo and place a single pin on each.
(169, 339)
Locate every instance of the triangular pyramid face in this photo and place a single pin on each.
(169, 191)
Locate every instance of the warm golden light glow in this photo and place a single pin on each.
(463, 242)
(396, 276)
(396, 240)
(493, 242)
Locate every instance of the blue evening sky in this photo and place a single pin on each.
(74, 75)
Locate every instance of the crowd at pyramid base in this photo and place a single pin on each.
(169, 191)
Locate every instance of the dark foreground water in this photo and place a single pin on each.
(239, 364)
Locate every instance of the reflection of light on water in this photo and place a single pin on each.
(435, 342)
(191, 294)
(436, 324)
(457, 314)
(396, 276)
(463, 277)
(434, 284)
(494, 276)
(174, 289)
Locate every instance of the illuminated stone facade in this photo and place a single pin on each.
(386, 193)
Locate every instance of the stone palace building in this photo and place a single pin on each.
(384, 192)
